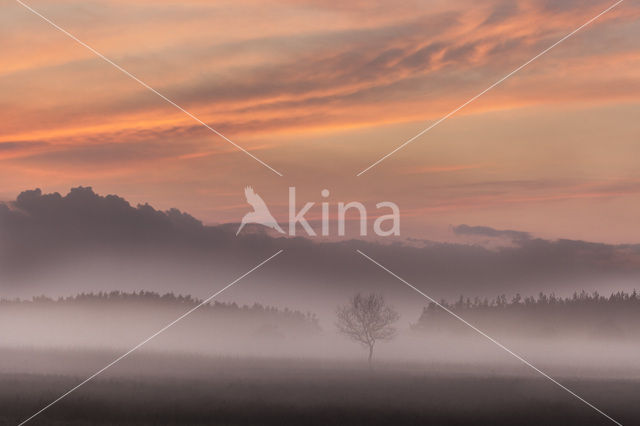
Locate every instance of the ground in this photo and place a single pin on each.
(169, 390)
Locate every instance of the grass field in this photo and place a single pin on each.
(152, 389)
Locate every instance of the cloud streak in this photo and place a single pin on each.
(410, 62)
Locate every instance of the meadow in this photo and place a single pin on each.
(168, 389)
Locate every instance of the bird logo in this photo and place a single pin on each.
(260, 214)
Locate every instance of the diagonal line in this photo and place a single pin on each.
(35, 12)
(500, 345)
(207, 300)
(490, 87)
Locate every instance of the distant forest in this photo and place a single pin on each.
(581, 315)
(179, 303)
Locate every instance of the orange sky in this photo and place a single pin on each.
(321, 90)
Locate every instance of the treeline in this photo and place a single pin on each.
(149, 299)
(583, 314)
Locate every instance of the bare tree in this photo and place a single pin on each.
(367, 319)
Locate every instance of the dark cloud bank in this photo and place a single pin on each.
(60, 245)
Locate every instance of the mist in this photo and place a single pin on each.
(432, 340)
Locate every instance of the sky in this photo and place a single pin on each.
(320, 90)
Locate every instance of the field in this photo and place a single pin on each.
(159, 389)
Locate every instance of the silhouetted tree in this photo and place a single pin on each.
(367, 319)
